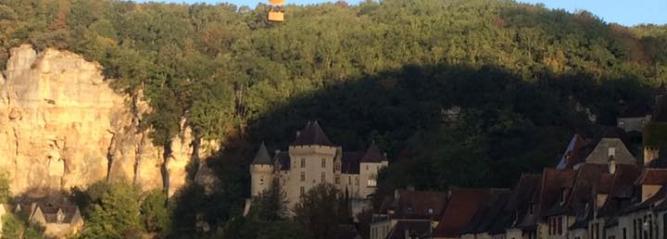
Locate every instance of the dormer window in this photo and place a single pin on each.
(612, 152)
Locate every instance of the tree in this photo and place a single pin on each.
(320, 211)
(4, 188)
(155, 214)
(270, 205)
(116, 214)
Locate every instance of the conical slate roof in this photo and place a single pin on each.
(262, 156)
(312, 134)
(373, 155)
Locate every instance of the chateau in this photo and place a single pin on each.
(313, 159)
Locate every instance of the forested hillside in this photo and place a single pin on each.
(458, 92)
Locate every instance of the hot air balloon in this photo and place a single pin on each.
(276, 10)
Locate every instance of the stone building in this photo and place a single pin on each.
(59, 218)
(312, 159)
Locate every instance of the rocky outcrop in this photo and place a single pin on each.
(61, 126)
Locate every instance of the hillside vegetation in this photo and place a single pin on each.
(522, 78)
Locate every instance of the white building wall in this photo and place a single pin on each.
(312, 169)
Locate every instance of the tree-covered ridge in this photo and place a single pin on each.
(459, 92)
(219, 65)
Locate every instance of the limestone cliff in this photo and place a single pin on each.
(61, 126)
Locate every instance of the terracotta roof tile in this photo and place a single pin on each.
(552, 186)
(416, 204)
(653, 176)
(462, 206)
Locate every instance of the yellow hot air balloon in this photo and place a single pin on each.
(276, 10)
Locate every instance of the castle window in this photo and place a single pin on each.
(337, 179)
(612, 152)
(303, 163)
(337, 166)
(323, 177)
(302, 191)
(261, 181)
(324, 163)
(303, 176)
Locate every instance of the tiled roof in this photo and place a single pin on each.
(312, 134)
(350, 162)
(621, 190)
(416, 204)
(524, 195)
(413, 229)
(576, 152)
(282, 158)
(653, 176)
(262, 156)
(552, 186)
(49, 207)
(373, 155)
(462, 206)
(488, 218)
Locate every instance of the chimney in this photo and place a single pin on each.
(650, 154)
(612, 165)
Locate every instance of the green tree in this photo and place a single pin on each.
(116, 214)
(155, 213)
(321, 210)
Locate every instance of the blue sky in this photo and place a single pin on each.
(625, 12)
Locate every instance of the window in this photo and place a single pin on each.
(302, 191)
(625, 233)
(303, 163)
(349, 180)
(372, 182)
(324, 163)
(337, 179)
(560, 226)
(261, 181)
(303, 176)
(323, 177)
(612, 152)
(356, 181)
(337, 167)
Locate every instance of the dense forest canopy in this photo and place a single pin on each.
(451, 89)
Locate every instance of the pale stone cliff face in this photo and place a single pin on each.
(61, 126)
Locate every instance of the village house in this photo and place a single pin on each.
(312, 159)
(58, 217)
(408, 213)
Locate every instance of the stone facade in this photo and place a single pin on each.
(63, 126)
(311, 160)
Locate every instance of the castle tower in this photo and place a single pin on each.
(312, 158)
(261, 172)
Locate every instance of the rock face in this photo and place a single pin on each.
(61, 126)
